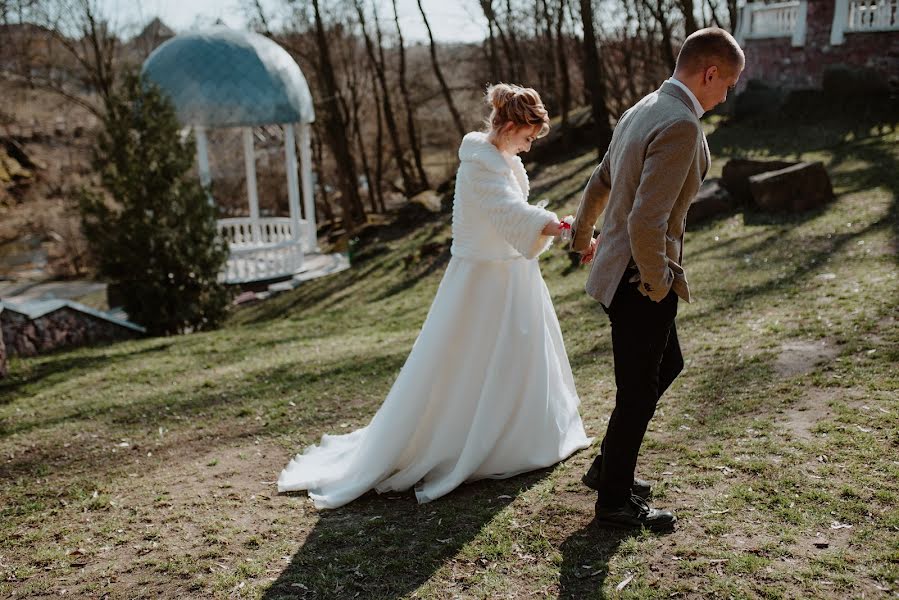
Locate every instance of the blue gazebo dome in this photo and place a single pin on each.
(226, 78)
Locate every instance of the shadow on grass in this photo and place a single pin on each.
(585, 560)
(386, 546)
(60, 364)
(845, 140)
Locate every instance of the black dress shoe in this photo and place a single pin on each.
(640, 488)
(633, 514)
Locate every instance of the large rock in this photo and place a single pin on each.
(736, 173)
(711, 200)
(793, 189)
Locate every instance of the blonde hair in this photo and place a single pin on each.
(520, 106)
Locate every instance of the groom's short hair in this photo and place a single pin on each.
(707, 47)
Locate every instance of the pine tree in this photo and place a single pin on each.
(157, 238)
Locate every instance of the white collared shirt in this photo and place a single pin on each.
(697, 107)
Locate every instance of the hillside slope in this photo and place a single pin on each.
(147, 468)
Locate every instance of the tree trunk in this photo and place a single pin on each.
(351, 69)
(336, 127)
(732, 15)
(317, 158)
(660, 13)
(410, 115)
(379, 145)
(447, 95)
(409, 185)
(593, 81)
(517, 56)
(487, 7)
(562, 70)
(492, 57)
(688, 10)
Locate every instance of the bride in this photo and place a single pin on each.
(487, 390)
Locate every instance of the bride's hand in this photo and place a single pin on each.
(553, 228)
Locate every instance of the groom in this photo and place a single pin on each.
(655, 164)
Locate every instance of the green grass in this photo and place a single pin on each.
(147, 468)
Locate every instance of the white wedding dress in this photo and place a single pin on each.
(487, 390)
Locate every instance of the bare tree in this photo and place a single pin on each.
(379, 145)
(336, 128)
(562, 68)
(688, 10)
(511, 59)
(593, 80)
(662, 11)
(79, 51)
(350, 69)
(414, 141)
(447, 94)
(376, 59)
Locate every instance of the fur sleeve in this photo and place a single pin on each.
(519, 223)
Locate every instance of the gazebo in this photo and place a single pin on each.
(222, 78)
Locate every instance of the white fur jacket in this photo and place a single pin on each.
(492, 219)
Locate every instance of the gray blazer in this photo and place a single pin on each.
(645, 183)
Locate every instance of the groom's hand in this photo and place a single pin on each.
(587, 257)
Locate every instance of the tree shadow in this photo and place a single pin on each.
(60, 363)
(846, 140)
(549, 184)
(423, 270)
(386, 546)
(585, 560)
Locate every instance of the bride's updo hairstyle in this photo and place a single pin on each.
(518, 106)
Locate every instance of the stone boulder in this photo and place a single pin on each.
(712, 199)
(736, 173)
(794, 189)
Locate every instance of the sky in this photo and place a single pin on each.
(458, 20)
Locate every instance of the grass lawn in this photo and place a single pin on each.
(147, 468)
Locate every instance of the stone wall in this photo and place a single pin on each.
(776, 62)
(59, 329)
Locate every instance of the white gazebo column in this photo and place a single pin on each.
(308, 198)
(249, 155)
(203, 160)
(293, 183)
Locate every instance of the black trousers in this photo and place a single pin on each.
(647, 360)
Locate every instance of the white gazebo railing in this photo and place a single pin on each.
(782, 19)
(239, 232)
(863, 16)
(267, 248)
(261, 249)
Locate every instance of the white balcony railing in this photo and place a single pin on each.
(863, 16)
(782, 19)
(264, 249)
(873, 15)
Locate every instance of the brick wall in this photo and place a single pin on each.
(776, 62)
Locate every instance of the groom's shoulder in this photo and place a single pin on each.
(659, 111)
